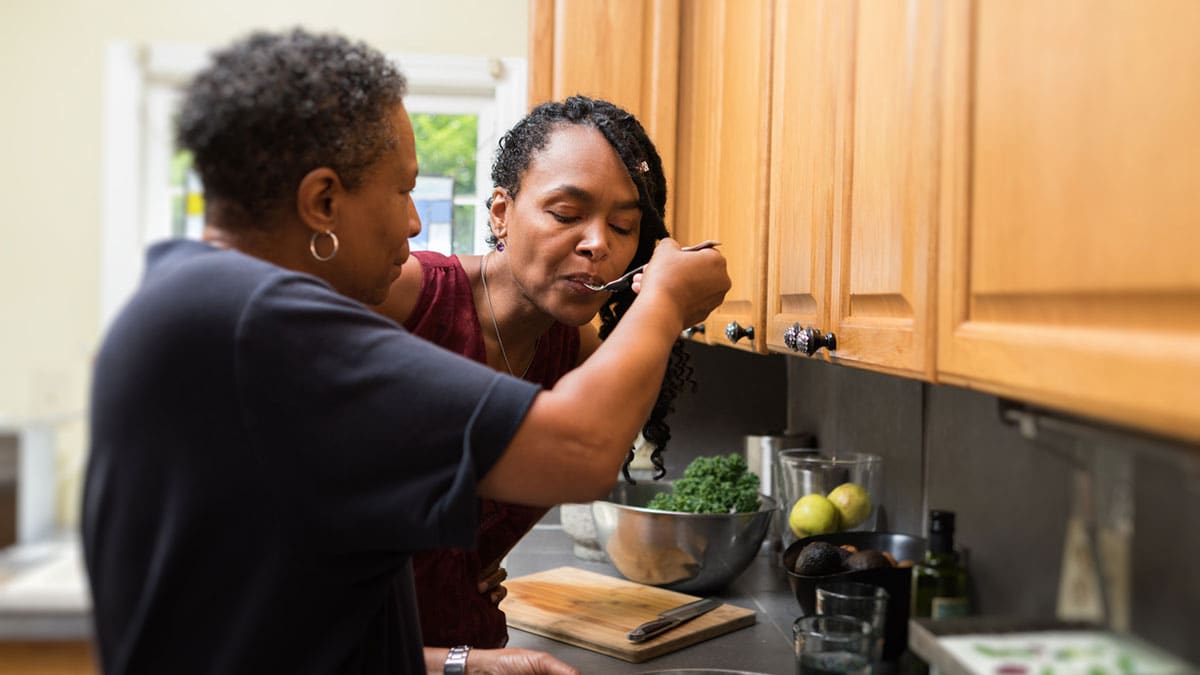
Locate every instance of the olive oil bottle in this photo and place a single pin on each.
(939, 583)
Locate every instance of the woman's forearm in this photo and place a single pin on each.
(574, 438)
(435, 659)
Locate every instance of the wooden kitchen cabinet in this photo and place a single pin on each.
(853, 179)
(723, 145)
(997, 195)
(625, 52)
(1070, 227)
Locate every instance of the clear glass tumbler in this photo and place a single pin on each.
(803, 473)
(832, 644)
(861, 601)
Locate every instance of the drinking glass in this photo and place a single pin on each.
(801, 472)
(862, 601)
(832, 644)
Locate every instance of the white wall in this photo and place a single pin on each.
(51, 92)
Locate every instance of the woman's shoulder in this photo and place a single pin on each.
(424, 275)
(443, 311)
(442, 276)
(440, 270)
(432, 260)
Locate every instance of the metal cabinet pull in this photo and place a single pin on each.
(808, 339)
(735, 332)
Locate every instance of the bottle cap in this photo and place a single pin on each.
(941, 522)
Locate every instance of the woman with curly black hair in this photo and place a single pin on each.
(266, 453)
(636, 152)
(579, 197)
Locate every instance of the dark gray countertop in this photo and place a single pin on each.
(765, 647)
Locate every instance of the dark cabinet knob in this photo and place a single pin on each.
(808, 339)
(735, 332)
(690, 332)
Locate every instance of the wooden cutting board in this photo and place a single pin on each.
(596, 612)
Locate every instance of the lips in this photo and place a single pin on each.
(575, 282)
(585, 279)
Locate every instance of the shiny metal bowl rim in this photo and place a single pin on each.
(762, 507)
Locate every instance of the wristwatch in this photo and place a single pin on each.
(456, 661)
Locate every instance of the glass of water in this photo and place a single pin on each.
(861, 601)
(828, 644)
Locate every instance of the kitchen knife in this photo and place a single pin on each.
(672, 618)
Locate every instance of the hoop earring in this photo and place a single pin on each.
(312, 245)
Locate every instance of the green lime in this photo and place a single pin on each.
(853, 504)
(813, 514)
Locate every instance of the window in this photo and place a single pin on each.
(446, 194)
(460, 106)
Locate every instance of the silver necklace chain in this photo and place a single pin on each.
(492, 311)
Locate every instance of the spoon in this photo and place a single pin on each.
(625, 281)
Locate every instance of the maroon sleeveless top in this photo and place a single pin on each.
(453, 611)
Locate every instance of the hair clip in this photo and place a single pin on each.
(643, 167)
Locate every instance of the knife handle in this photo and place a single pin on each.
(651, 628)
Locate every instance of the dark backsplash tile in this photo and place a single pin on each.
(737, 394)
(852, 410)
(1166, 553)
(1011, 498)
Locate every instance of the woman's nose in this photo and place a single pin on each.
(414, 219)
(594, 243)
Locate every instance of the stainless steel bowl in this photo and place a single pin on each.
(686, 552)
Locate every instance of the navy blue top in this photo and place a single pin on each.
(265, 456)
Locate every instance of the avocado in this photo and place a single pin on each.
(845, 554)
(867, 560)
(817, 559)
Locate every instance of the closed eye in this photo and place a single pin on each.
(563, 219)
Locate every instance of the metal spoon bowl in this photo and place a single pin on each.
(625, 281)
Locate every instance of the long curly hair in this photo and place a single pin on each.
(625, 134)
(273, 106)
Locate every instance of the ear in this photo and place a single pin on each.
(317, 199)
(498, 214)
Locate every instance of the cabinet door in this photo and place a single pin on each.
(885, 197)
(854, 179)
(626, 52)
(724, 120)
(1072, 225)
(812, 68)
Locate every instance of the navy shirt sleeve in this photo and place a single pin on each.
(377, 438)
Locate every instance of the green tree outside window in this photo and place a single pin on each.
(446, 147)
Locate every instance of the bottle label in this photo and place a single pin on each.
(948, 608)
